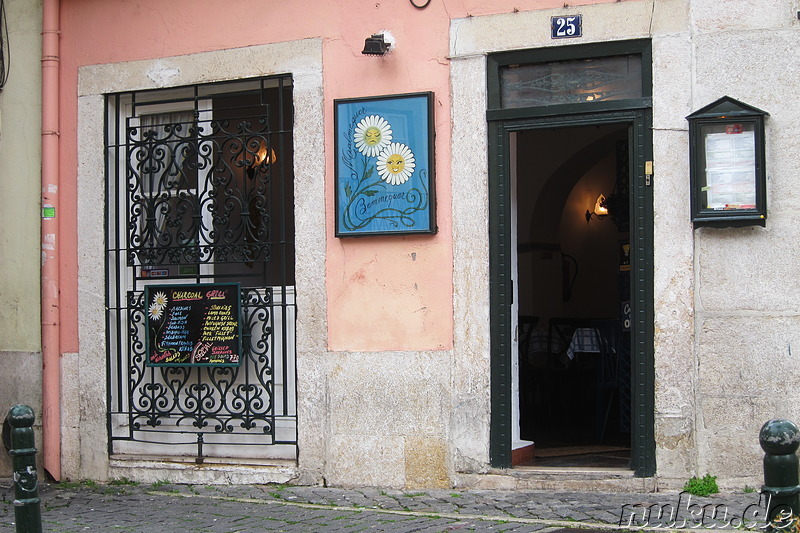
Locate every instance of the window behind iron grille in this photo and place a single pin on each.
(200, 190)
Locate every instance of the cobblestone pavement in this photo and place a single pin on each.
(165, 508)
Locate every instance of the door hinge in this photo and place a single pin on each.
(648, 173)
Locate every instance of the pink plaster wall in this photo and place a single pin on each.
(383, 293)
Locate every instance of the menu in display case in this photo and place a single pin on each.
(727, 162)
(730, 168)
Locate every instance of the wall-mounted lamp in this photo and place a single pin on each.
(262, 158)
(600, 209)
(256, 156)
(376, 45)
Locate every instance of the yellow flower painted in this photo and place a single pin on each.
(155, 311)
(372, 134)
(395, 164)
(160, 299)
(157, 307)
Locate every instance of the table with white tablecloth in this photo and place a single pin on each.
(584, 340)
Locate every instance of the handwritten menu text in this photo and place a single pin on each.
(193, 324)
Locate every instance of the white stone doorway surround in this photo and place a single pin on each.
(471, 41)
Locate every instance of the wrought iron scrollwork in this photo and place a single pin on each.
(198, 190)
(207, 399)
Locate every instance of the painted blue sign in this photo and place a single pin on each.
(384, 165)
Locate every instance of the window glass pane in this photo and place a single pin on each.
(169, 139)
(162, 182)
(571, 82)
(209, 189)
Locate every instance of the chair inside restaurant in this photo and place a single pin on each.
(575, 391)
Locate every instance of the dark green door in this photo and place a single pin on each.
(507, 116)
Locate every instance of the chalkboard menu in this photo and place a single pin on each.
(193, 325)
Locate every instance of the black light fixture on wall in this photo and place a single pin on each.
(375, 45)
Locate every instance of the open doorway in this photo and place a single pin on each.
(571, 273)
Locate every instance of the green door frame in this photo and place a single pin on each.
(502, 122)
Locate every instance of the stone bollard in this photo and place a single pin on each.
(27, 510)
(780, 439)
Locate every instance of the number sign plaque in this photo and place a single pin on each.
(566, 26)
(193, 325)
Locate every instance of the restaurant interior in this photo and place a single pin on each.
(572, 298)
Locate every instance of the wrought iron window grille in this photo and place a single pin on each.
(200, 189)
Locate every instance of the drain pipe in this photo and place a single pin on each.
(51, 312)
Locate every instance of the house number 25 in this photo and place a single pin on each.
(565, 27)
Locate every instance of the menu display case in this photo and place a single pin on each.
(728, 177)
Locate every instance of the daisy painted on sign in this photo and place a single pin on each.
(158, 305)
(395, 164)
(384, 165)
(372, 134)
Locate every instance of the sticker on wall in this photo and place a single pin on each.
(384, 165)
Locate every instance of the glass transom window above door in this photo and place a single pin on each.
(571, 81)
